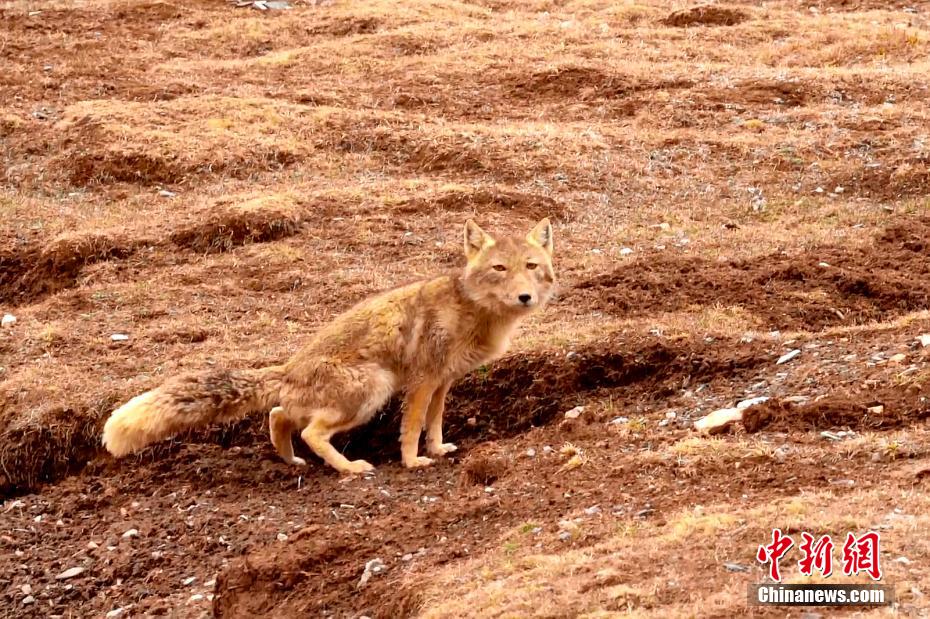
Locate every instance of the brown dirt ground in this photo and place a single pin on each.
(728, 181)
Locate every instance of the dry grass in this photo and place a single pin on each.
(633, 572)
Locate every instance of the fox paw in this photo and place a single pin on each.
(418, 462)
(297, 461)
(359, 466)
(441, 449)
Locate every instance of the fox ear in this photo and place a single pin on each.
(476, 239)
(542, 235)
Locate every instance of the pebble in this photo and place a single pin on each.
(752, 402)
(70, 573)
(164, 193)
(375, 566)
(115, 613)
(407, 557)
(574, 413)
(189, 581)
(831, 436)
(28, 600)
(547, 449)
(196, 597)
(8, 320)
(736, 567)
(565, 536)
(530, 453)
(903, 561)
(591, 511)
(626, 251)
(472, 421)
(924, 339)
(618, 420)
(719, 420)
(788, 356)
(898, 358)
(282, 537)
(878, 409)
(119, 337)
(26, 589)
(131, 533)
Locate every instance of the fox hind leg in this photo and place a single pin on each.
(281, 429)
(323, 425)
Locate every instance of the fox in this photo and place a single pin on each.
(417, 339)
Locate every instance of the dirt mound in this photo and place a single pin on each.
(226, 225)
(30, 272)
(826, 286)
(890, 409)
(168, 141)
(530, 206)
(706, 15)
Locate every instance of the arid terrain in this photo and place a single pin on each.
(209, 183)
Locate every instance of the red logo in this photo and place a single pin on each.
(861, 555)
(774, 552)
(817, 556)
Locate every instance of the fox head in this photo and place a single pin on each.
(510, 275)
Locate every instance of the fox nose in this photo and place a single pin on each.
(525, 298)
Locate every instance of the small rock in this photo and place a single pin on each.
(780, 454)
(903, 561)
(831, 436)
(898, 358)
(26, 589)
(164, 193)
(924, 339)
(131, 533)
(736, 567)
(407, 557)
(28, 600)
(8, 320)
(115, 613)
(119, 337)
(663, 226)
(644, 512)
(530, 453)
(565, 536)
(593, 510)
(373, 567)
(671, 414)
(788, 356)
(547, 449)
(626, 251)
(574, 413)
(618, 420)
(282, 537)
(70, 573)
(189, 581)
(489, 489)
(878, 409)
(196, 597)
(751, 402)
(719, 420)
(472, 421)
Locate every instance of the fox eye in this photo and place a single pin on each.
(531, 265)
(499, 267)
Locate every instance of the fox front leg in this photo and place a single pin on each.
(411, 425)
(437, 405)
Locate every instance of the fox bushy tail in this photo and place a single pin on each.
(190, 401)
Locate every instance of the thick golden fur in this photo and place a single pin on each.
(419, 338)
